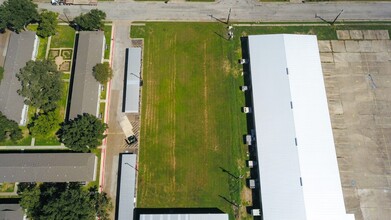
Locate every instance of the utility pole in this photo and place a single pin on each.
(328, 22)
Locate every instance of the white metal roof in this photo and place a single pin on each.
(299, 174)
(132, 95)
(219, 216)
(126, 191)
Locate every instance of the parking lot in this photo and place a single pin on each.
(357, 73)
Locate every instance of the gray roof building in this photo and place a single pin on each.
(11, 212)
(48, 167)
(126, 190)
(85, 88)
(132, 94)
(21, 49)
(211, 216)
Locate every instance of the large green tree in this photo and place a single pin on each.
(9, 129)
(91, 21)
(47, 23)
(45, 124)
(16, 14)
(41, 84)
(63, 201)
(83, 133)
(102, 72)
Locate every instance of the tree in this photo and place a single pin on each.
(63, 201)
(1, 73)
(44, 124)
(47, 23)
(83, 133)
(102, 204)
(30, 201)
(90, 21)
(9, 129)
(41, 84)
(102, 72)
(16, 14)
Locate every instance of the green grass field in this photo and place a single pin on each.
(64, 38)
(191, 125)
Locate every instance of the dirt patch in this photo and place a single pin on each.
(65, 66)
(226, 67)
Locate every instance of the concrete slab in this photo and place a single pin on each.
(382, 35)
(324, 46)
(356, 34)
(382, 57)
(352, 46)
(338, 46)
(369, 34)
(379, 46)
(326, 57)
(365, 46)
(361, 120)
(347, 57)
(343, 34)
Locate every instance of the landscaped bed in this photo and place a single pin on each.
(7, 187)
(107, 30)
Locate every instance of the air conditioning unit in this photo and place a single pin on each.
(246, 110)
(252, 183)
(255, 212)
(243, 61)
(249, 139)
(250, 164)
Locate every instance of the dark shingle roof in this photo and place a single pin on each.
(20, 50)
(47, 167)
(85, 89)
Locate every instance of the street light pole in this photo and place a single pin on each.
(132, 166)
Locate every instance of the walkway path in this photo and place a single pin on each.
(33, 147)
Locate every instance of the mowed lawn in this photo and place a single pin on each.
(191, 123)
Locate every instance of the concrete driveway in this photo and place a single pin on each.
(115, 137)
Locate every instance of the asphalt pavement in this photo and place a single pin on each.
(242, 10)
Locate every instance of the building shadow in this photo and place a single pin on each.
(251, 129)
(72, 78)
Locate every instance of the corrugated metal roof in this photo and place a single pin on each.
(126, 191)
(299, 173)
(217, 216)
(85, 88)
(20, 51)
(47, 167)
(132, 98)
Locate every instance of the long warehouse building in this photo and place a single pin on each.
(298, 170)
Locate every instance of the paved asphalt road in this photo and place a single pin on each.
(242, 10)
